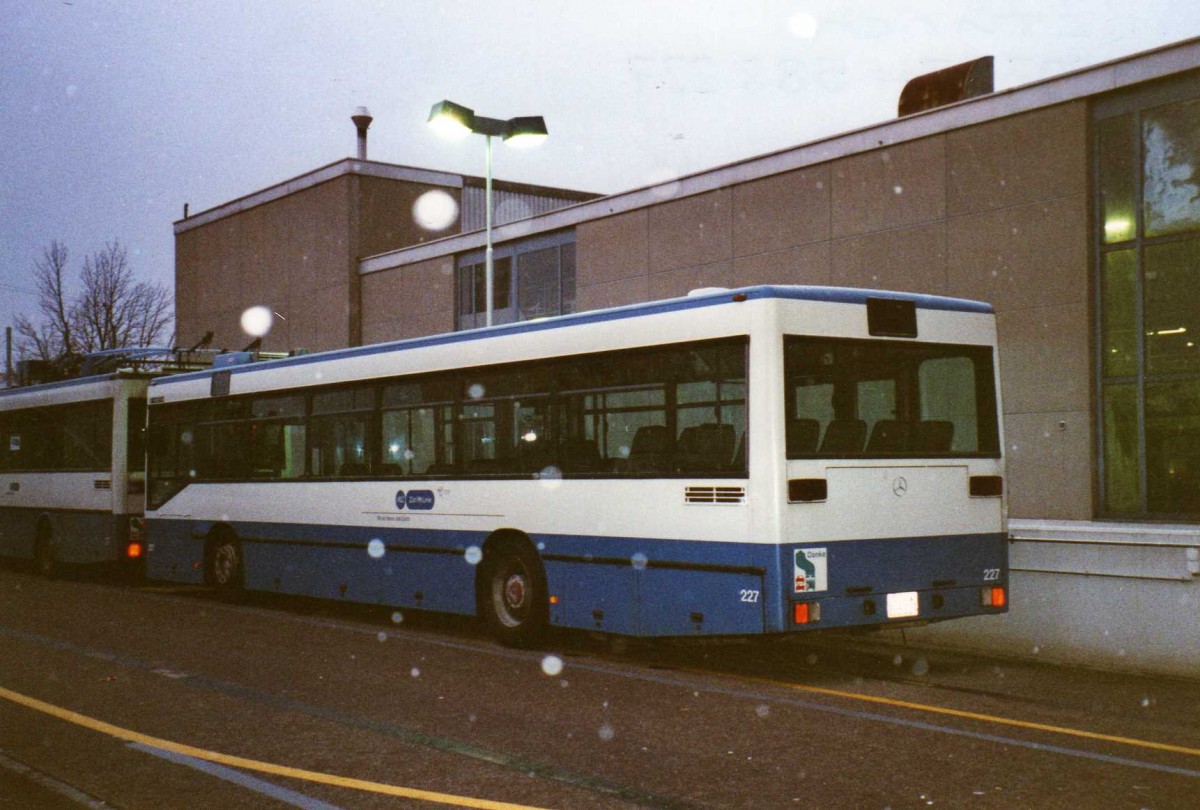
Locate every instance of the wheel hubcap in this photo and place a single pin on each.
(511, 593)
(515, 592)
(224, 563)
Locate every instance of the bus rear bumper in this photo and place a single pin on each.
(897, 608)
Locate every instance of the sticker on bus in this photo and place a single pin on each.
(419, 499)
(811, 570)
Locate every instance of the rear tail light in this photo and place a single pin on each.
(806, 612)
(136, 546)
(994, 597)
(986, 486)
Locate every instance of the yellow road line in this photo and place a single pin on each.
(255, 765)
(986, 718)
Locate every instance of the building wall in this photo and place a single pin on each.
(419, 300)
(297, 255)
(387, 218)
(291, 255)
(997, 212)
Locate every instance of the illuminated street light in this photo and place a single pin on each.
(455, 121)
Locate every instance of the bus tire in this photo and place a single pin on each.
(45, 560)
(225, 566)
(511, 594)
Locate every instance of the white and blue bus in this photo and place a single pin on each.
(72, 479)
(761, 460)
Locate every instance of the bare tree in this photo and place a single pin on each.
(113, 310)
(50, 338)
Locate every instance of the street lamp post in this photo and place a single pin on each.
(456, 121)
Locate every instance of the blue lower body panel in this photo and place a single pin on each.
(630, 586)
(79, 537)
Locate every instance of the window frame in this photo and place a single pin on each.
(905, 393)
(544, 382)
(508, 306)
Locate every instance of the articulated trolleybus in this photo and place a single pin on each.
(71, 471)
(762, 460)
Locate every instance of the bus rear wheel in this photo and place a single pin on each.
(45, 561)
(512, 594)
(226, 572)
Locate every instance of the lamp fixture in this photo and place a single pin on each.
(452, 120)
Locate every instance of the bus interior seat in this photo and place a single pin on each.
(650, 448)
(487, 466)
(354, 469)
(843, 437)
(391, 469)
(888, 436)
(802, 437)
(579, 455)
(533, 456)
(706, 447)
(934, 436)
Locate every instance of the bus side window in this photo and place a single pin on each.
(340, 426)
(6, 442)
(479, 436)
(417, 428)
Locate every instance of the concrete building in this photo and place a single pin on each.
(1071, 204)
(297, 246)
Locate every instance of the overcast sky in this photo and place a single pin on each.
(114, 114)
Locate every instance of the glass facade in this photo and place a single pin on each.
(1147, 179)
(531, 279)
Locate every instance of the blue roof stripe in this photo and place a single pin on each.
(837, 295)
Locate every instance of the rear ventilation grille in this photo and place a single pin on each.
(714, 494)
(102, 483)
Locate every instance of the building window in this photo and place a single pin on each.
(1147, 177)
(531, 279)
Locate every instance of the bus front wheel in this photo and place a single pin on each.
(512, 594)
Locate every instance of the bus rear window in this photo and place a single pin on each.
(888, 399)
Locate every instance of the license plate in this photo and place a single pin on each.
(902, 605)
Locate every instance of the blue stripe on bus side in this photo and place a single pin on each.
(841, 295)
(638, 586)
(81, 536)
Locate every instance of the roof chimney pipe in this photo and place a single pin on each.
(362, 119)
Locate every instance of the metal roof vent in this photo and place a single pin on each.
(362, 119)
